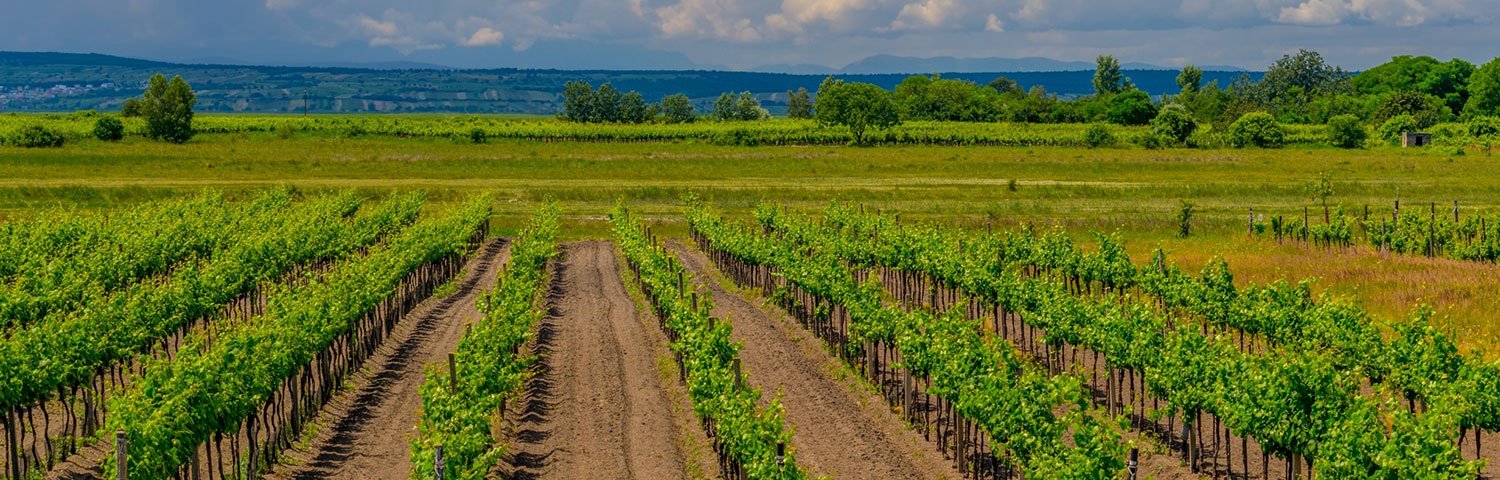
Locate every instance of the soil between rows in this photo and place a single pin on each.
(366, 431)
(840, 427)
(598, 405)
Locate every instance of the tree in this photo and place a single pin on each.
(678, 108)
(1390, 131)
(1320, 190)
(1108, 78)
(130, 108)
(109, 129)
(607, 104)
(1133, 107)
(578, 102)
(1295, 78)
(1258, 129)
(859, 106)
(1174, 123)
(1006, 86)
(724, 107)
(633, 109)
(168, 108)
(1346, 131)
(1428, 110)
(1484, 90)
(1445, 80)
(799, 104)
(747, 108)
(1190, 80)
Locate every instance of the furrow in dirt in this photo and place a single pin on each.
(599, 405)
(366, 431)
(840, 427)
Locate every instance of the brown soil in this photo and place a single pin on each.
(365, 432)
(597, 406)
(840, 427)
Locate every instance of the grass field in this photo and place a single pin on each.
(1129, 191)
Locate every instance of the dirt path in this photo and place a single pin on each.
(841, 428)
(365, 432)
(600, 405)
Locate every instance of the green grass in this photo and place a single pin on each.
(1131, 191)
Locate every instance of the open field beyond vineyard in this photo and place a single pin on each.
(279, 303)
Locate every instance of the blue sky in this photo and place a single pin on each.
(747, 33)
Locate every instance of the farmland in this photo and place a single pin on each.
(348, 296)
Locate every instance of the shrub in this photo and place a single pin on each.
(1151, 141)
(1483, 127)
(109, 129)
(1130, 108)
(1174, 123)
(34, 136)
(1185, 218)
(131, 108)
(1345, 131)
(1390, 132)
(1257, 129)
(1099, 136)
(477, 136)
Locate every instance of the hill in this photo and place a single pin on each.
(36, 81)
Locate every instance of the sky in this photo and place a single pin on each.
(744, 34)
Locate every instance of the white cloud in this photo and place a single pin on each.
(926, 14)
(1315, 12)
(483, 37)
(993, 24)
(717, 19)
(378, 28)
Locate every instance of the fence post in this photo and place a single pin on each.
(780, 453)
(452, 374)
(437, 463)
(1135, 462)
(120, 455)
(1251, 223)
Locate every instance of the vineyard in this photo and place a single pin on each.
(481, 128)
(289, 334)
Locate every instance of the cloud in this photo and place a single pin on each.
(483, 37)
(993, 24)
(926, 14)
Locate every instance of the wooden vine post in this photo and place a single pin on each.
(120, 456)
(437, 463)
(452, 374)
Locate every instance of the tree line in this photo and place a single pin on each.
(1409, 93)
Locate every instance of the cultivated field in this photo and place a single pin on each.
(991, 303)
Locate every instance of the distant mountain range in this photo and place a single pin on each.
(887, 64)
(42, 81)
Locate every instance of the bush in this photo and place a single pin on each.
(1130, 108)
(1484, 127)
(34, 136)
(1256, 129)
(1390, 132)
(109, 129)
(1345, 131)
(1151, 141)
(1099, 136)
(477, 136)
(1205, 139)
(1174, 123)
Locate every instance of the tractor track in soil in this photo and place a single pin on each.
(841, 428)
(599, 404)
(366, 431)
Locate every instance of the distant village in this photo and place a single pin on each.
(20, 96)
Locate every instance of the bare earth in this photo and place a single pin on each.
(840, 428)
(598, 407)
(366, 431)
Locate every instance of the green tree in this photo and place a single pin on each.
(633, 109)
(859, 106)
(1346, 131)
(724, 107)
(1484, 90)
(1320, 190)
(1256, 129)
(130, 108)
(168, 108)
(1133, 107)
(607, 104)
(1185, 211)
(1190, 79)
(1006, 86)
(1390, 131)
(747, 108)
(678, 108)
(109, 129)
(1108, 77)
(578, 102)
(1174, 123)
(1446, 80)
(799, 104)
(1428, 110)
